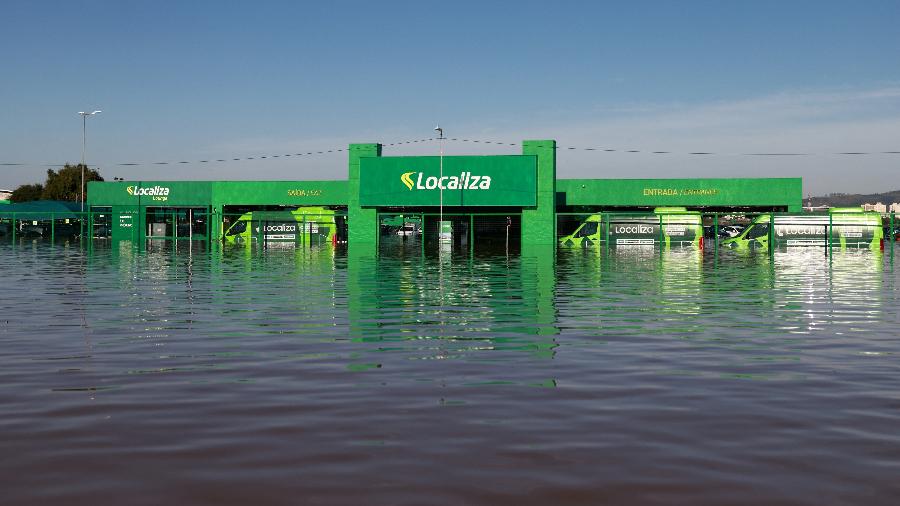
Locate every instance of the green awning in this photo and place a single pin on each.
(41, 210)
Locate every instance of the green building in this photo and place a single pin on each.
(517, 194)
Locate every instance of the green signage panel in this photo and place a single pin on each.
(204, 193)
(286, 193)
(150, 193)
(724, 192)
(464, 181)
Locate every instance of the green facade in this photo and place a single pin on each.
(525, 182)
(128, 200)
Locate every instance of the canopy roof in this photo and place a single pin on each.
(41, 210)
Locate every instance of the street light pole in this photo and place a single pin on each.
(440, 132)
(84, 116)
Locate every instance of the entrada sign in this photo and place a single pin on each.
(424, 181)
(672, 192)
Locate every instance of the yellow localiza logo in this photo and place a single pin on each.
(407, 180)
(130, 190)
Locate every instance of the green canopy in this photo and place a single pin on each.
(41, 210)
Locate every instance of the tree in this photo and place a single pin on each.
(62, 185)
(27, 192)
(66, 183)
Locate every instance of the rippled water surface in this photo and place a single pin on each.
(298, 377)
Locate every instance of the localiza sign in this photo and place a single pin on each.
(157, 192)
(464, 181)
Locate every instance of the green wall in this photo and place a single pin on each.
(539, 222)
(362, 223)
(716, 192)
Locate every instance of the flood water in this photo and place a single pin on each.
(311, 377)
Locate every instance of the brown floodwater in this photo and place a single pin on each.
(307, 377)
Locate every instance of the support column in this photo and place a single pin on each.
(362, 223)
(539, 223)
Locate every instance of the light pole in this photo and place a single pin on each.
(445, 229)
(440, 132)
(84, 116)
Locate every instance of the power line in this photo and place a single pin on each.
(474, 141)
(610, 150)
(219, 160)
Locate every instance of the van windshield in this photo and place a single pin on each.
(237, 228)
(589, 228)
(757, 230)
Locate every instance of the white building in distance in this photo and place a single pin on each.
(882, 208)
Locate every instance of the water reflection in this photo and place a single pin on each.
(456, 308)
(841, 289)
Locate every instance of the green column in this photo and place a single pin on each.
(539, 223)
(217, 226)
(362, 223)
(716, 238)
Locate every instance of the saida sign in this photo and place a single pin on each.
(464, 181)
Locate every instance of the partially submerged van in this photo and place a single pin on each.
(846, 226)
(668, 226)
(305, 225)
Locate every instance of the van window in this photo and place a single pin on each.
(758, 230)
(237, 228)
(589, 228)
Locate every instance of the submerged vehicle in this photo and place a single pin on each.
(669, 226)
(846, 226)
(305, 225)
(408, 229)
(729, 231)
(401, 224)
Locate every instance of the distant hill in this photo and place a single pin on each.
(854, 199)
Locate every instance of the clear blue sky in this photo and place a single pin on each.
(198, 80)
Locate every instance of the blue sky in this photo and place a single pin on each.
(201, 80)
